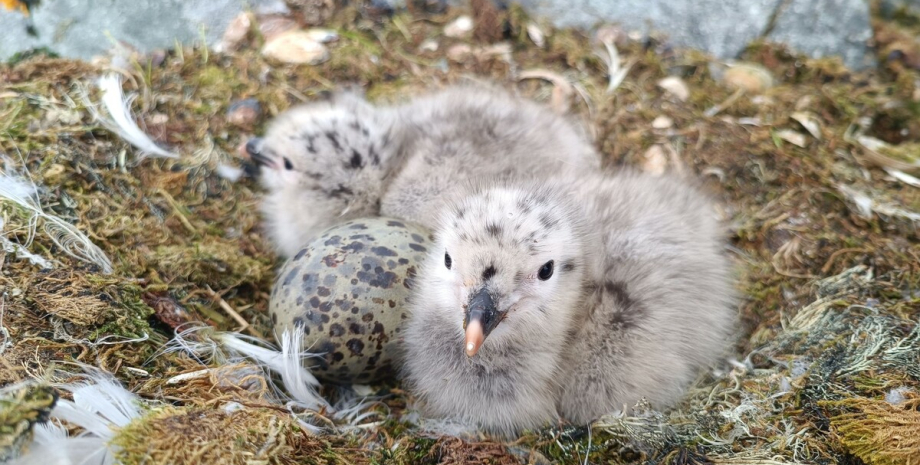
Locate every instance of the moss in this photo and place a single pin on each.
(19, 411)
(176, 230)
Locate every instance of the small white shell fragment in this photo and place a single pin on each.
(228, 172)
(323, 36)
(459, 52)
(429, 45)
(296, 47)
(235, 33)
(662, 122)
(459, 27)
(189, 376)
(536, 34)
(792, 137)
(656, 161)
(751, 77)
(676, 87)
(809, 121)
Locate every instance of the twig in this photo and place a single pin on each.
(725, 104)
(244, 325)
(178, 210)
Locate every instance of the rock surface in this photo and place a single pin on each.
(818, 28)
(723, 28)
(87, 28)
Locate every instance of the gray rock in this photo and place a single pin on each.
(86, 28)
(720, 27)
(822, 28)
(889, 7)
(818, 28)
(724, 27)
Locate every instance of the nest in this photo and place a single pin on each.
(813, 166)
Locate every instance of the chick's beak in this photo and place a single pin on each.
(481, 319)
(254, 152)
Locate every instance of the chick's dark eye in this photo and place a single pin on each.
(546, 271)
(287, 164)
(447, 260)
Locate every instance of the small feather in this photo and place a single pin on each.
(119, 119)
(65, 235)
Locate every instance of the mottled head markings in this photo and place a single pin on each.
(356, 161)
(488, 273)
(494, 229)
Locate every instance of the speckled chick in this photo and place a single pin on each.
(343, 158)
(570, 299)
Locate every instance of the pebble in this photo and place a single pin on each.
(296, 47)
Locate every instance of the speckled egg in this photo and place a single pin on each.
(348, 290)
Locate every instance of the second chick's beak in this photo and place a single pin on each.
(481, 319)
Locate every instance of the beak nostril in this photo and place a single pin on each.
(253, 146)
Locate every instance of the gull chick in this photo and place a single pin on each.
(341, 158)
(569, 299)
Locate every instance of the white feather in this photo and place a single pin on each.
(287, 363)
(205, 344)
(119, 119)
(100, 406)
(52, 446)
(64, 235)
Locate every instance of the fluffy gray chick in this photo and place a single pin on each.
(329, 161)
(568, 300)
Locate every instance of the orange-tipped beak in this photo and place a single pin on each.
(474, 337)
(481, 319)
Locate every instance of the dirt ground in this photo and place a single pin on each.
(814, 166)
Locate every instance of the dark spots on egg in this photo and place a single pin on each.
(417, 247)
(358, 226)
(334, 240)
(354, 310)
(410, 277)
(291, 275)
(324, 318)
(336, 330)
(355, 346)
(396, 224)
(353, 247)
(383, 251)
(325, 307)
(314, 302)
(323, 291)
(331, 261)
(355, 328)
(299, 301)
(274, 318)
(300, 254)
(403, 261)
(368, 317)
(391, 303)
(337, 356)
(417, 238)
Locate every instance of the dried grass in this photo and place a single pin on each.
(831, 291)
